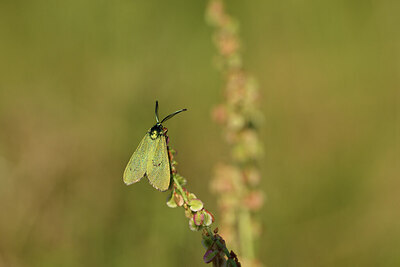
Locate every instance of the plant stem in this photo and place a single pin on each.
(179, 187)
(246, 240)
(199, 218)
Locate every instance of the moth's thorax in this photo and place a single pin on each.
(156, 131)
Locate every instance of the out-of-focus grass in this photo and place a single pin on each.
(78, 81)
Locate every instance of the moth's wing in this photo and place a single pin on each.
(158, 171)
(137, 165)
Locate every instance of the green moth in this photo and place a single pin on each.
(151, 157)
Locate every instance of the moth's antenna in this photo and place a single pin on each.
(157, 112)
(173, 114)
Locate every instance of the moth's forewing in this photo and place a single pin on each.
(137, 165)
(158, 171)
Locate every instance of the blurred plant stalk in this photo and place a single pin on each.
(237, 183)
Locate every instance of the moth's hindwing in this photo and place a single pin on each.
(158, 171)
(137, 165)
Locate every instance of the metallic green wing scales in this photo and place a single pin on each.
(137, 165)
(150, 159)
(158, 171)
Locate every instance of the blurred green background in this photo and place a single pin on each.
(78, 82)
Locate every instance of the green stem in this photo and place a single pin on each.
(218, 242)
(180, 189)
(246, 234)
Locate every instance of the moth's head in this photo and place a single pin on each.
(156, 131)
